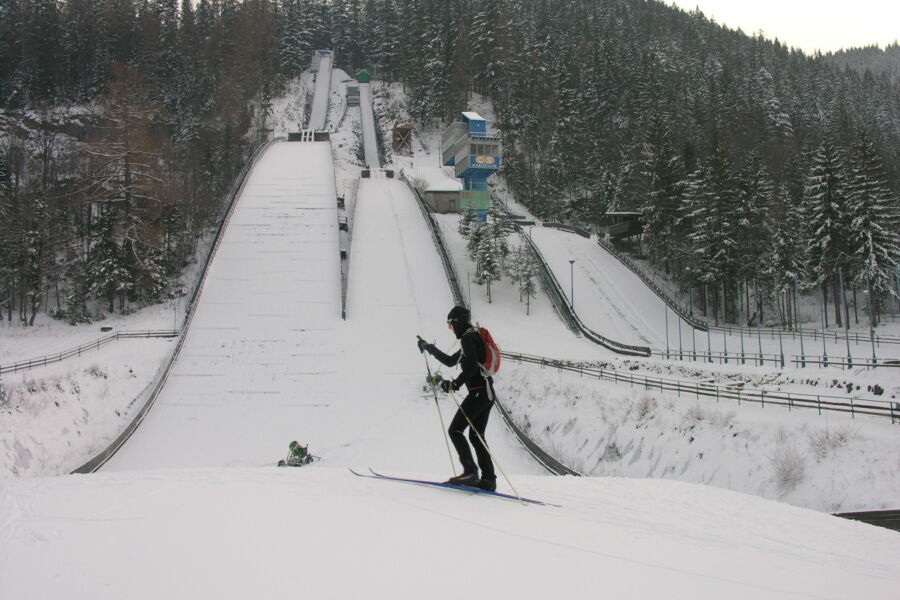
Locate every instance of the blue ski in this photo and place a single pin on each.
(461, 488)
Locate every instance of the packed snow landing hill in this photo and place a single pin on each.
(193, 505)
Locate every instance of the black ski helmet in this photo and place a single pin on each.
(459, 316)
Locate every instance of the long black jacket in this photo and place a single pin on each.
(470, 357)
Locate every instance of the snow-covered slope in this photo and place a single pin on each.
(367, 122)
(398, 290)
(259, 354)
(193, 508)
(324, 533)
(319, 111)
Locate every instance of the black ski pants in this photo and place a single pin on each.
(477, 407)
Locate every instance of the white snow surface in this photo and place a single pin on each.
(265, 327)
(319, 110)
(367, 124)
(320, 532)
(192, 506)
(434, 179)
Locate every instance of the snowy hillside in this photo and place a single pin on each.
(319, 532)
(192, 507)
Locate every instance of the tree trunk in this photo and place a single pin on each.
(788, 309)
(35, 304)
(23, 306)
(760, 304)
(836, 293)
(747, 314)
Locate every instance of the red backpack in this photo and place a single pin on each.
(491, 353)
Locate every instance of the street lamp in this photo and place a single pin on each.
(572, 283)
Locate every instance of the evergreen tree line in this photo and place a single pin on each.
(123, 126)
(602, 104)
(733, 231)
(717, 137)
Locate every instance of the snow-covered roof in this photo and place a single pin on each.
(472, 116)
(436, 179)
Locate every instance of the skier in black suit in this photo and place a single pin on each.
(476, 407)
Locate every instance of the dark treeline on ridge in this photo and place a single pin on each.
(755, 166)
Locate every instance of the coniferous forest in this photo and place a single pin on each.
(124, 122)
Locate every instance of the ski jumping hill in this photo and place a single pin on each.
(608, 297)
(192, 506)
(318, 114)
(264, 329)
(367, 124)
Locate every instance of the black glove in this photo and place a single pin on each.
(423, 346)
(448, 385)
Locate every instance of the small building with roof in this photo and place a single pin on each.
(440, 190)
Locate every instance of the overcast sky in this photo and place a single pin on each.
(810, 25)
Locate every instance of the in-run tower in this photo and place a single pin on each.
(475, 156)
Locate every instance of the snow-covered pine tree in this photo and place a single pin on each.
(826, 222)
(874, 242)
(783, 261)
(482, 34)
(754, 225)
(295, 37)
(711, 199)
(8, 245)
(477, 231)
(426, 71)
(467, 221)
(523, 273)
(661, 175)
(38, 256)
(459, 85)
(106, 272)
(345, 32)
(383, 22)
(766, 96)
(84, 41)
(487, 260)
(40, 46)
(500, 228)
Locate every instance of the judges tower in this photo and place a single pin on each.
(475, 155)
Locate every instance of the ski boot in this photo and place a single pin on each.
(466, 479)
(488, 485)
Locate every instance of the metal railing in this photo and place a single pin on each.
(780, 360)
(79, 350)
(772, 332)
(834, 335)
(721, 392)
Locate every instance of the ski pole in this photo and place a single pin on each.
(440, 416)
(484, 443)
